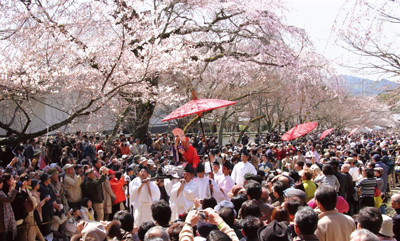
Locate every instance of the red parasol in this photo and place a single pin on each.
(299, 130)
(353, 131)
(325, 133)
(196, 106)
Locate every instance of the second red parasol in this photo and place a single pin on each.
(299, 130)
(325, 133)
(353, 131)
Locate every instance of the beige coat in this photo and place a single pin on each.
(333, 226)
(73, 187)
(107, 194)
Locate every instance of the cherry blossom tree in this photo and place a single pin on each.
(90, 60)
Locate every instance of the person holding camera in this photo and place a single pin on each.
(143, 193)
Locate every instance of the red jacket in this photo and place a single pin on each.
(124, 150)
(116, 187)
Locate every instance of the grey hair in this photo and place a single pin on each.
(156, 233)
(396, 198)
(363, 235)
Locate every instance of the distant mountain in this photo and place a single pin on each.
(359, 86)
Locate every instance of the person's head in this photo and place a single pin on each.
(395, 201)
(307, 174)
(86, 202)
(250, 226)
(345, 168)
(209, 202)
(278, 189)
(363, 235)
(370, 218)
(368, 172)
(280, 214)
(200, 170)
(250, 208)
(156, 233)
(298, 166)
(326, 198)
(188, 173)
(174, 230)
(126, 220)
(143, 174)
(328, 169)
(217, 235)
(244, 157)
(305, 221)
(45, 179)
(378, 171)
(185, 143)
(274, 231)
(97, 163)
(76, 212)
(292, 204)
(238, 201)
(34, 184)
(228, 215)
(143, 228)
(253, 190)
(215, 166)
(161, 212)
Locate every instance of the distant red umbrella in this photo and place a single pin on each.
(353, 131)
(325, 133)
(299, 130)
(197, 106)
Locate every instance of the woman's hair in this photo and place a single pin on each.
(369, 172)
(6, 187)
(174, 230)
(328, 169)
(217, 235)
(250, 208)
(113, 230)
(209, 202)
(85, 202)
(280, 214)
(238, 200)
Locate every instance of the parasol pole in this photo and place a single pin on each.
(194, 97)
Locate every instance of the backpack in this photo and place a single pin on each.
(390, 164)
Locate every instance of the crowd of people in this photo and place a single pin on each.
(162, 187)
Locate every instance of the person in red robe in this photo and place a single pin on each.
(187, 153)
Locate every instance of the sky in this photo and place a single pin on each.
(317, 18)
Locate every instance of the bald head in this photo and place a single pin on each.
(285, 180)
(396, 198)
(345, 168)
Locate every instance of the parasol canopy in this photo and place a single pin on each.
(325, 133)
(299, 130)
(196, 106)
(353, 131)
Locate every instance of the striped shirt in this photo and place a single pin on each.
(367, 186)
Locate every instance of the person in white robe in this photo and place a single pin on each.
(226, 182)
(183, 193)
(207, 186)
(143, 193)
(241, 168)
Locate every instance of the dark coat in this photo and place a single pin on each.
(94, 188)
(344, 185)
(47, 208)
(18, 205)
(396, 224)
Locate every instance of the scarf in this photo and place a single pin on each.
(89, 215)
(9, 219)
